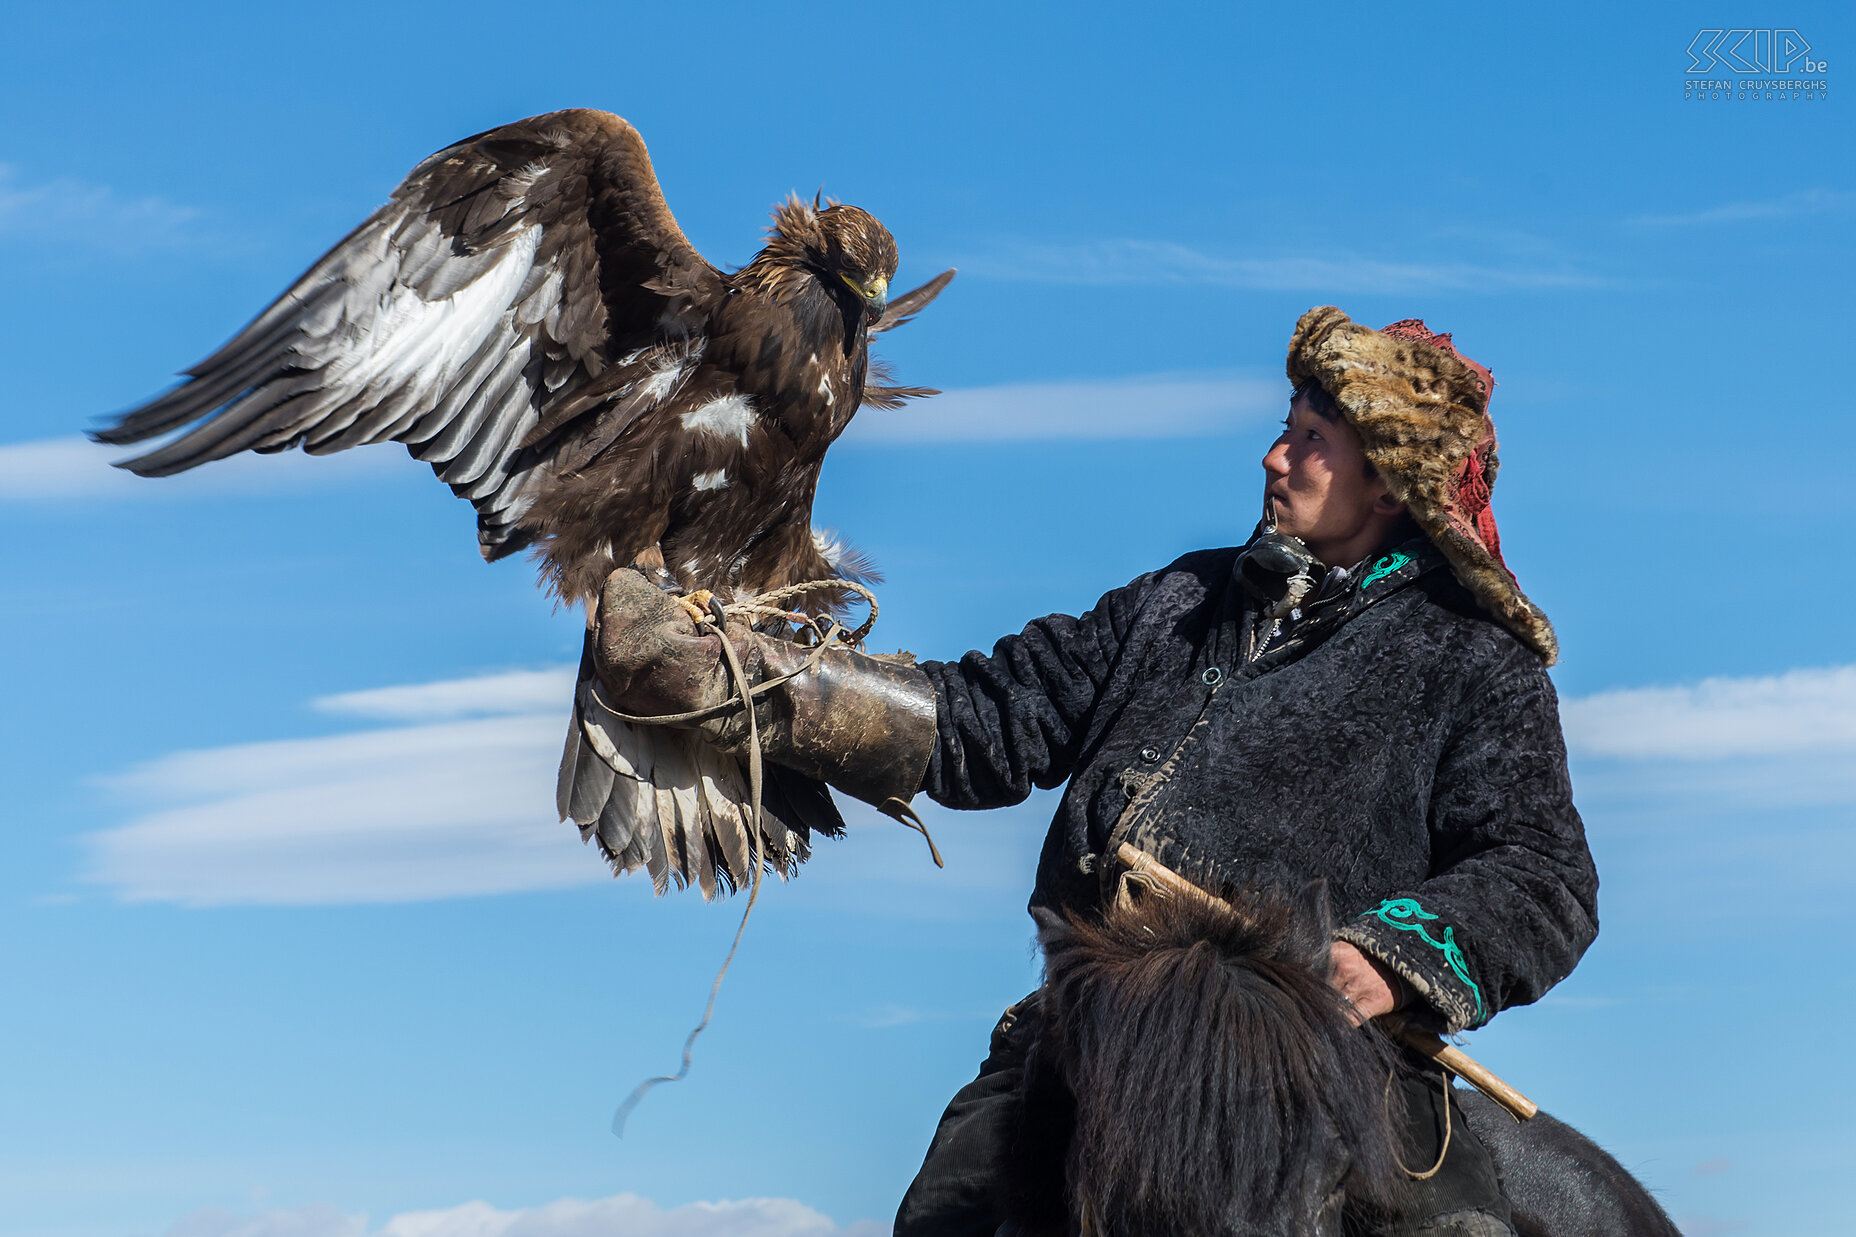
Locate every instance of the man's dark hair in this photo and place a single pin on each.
(1322, 405)
(1318, 400)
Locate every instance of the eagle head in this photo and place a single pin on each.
(844, 247)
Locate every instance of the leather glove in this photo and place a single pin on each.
(861, 723)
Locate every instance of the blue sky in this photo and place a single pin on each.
(286, 952)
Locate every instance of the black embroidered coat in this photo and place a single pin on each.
(1397, 743)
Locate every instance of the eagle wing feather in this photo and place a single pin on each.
(502, 279)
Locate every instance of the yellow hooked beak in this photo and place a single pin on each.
(875, 294)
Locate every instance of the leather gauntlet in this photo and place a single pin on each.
(861, 723)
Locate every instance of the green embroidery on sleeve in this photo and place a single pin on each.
(1386, 566)
(1405, 914)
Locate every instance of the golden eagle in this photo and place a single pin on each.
(526, 316)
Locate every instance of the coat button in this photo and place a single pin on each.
(1150, 754)
(1212, 676)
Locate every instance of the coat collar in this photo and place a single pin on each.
(1341, 596)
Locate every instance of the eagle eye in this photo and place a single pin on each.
(871, 290)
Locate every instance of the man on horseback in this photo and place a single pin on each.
(1357, 695)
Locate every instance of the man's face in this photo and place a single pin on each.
(1315, 476)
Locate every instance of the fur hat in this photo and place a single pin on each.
(1421, 409)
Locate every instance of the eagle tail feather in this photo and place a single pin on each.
(592, 779)
(729, 821)
(665, 800)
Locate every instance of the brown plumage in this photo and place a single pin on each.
(525, 315)
(722, 475)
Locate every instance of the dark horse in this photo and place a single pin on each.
(1192, 1074)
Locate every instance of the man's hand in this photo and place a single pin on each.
(1370, 986)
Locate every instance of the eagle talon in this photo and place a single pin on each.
(696, 605)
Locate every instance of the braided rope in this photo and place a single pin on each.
(767, 605)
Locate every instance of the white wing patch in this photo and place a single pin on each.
(717, 480)
(664, 379)
(415, 342)
(729, 416)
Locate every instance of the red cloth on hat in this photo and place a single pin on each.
(1471, 487)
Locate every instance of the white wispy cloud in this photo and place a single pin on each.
(1146, 262)
(518, 691)
(315, 1220)
(74, 468)
(886, 1016)
(1723, 745)
(454, 798)
(90, 214)
(1149, 406)
(1804, 202)
(1802, 711)
(1713, 1226)
(458, 805)
(623, 1214)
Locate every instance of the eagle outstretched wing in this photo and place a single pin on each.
(505, 274)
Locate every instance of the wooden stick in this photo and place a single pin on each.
(1470, 1070)
(1144, 869)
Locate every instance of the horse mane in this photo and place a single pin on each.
(1194, 1073)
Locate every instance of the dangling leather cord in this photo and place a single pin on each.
(1443, 1151)
(745, 693)
(740, 676)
